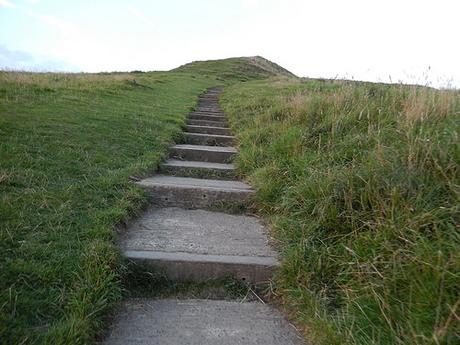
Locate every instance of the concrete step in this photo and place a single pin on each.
(208, 101)
(207, 123)
(198, 169)
(201, 116)
(208, 130)
(208, 106)
(212, 110)
(209, 139)
(193, 193)
(202, 110)
(211, 95)
(198, 245)
(214, 100)
(199, 322)
(203, 153)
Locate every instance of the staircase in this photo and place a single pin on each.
(195, 230)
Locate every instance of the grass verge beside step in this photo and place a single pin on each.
(69, 144)
(360, 182)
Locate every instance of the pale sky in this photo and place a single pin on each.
(386, 40)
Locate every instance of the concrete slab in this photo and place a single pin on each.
(199, 322)
(207, 123)
(207, 117)
(198, 165)
(208, 130)
(197, 232)
(194, 193)
(203, 153)
(208, 111)
(198, 169)
(186, 267)
(198, 245)
(209, 139)
(165, 180)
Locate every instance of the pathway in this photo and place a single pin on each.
(191, 232)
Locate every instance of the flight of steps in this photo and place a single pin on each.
(192, 231)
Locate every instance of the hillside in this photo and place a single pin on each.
(358, 181)
(360, 184)
(236, 69)
(70, 145)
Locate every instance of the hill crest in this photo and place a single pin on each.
(238, 68)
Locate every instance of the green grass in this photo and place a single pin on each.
(236, 69)
(360, 183)
(68, 146)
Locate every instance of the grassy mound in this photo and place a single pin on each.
(236, 69)
(361, 184)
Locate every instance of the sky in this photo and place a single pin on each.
(377, 40)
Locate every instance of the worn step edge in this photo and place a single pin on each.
(207, 123)
(198, 164)
(209, 139)
(179, 266)
(207, 112)
(205, 153)
(208, 130)
(208, 117)
(228, 149)
(199, 169)
(178, 183)
(187, 195)
(208, 109)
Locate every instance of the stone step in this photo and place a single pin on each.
(213, 101)
(203, 153)
(198, 169)
(208, 130)
(198, 245)
(199, 322)
(208, 139)
(213, 95)
(208, 111)
(193, 193)
(208, 117)
(207, 123)
(210, 98)
(208, 106)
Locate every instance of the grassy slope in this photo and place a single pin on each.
(360, 182)
(236, 69)
(68, 145)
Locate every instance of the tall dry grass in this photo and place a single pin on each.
(361, 184)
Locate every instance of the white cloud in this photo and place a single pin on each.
(5, 3)
(23, 60)
(363, 39)
(139, 15)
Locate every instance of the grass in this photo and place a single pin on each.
(236, 69)
(360, 183)
(68, 146)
